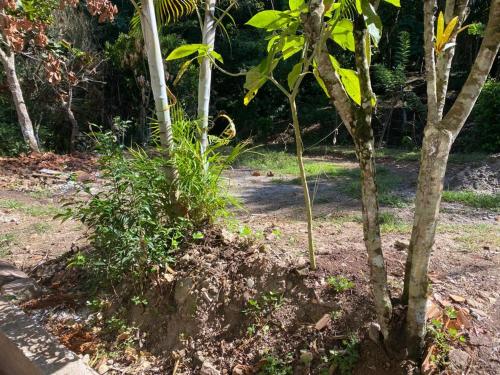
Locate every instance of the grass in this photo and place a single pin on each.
(473, 199)
(31, 210)
(473, 237)
(6, 240)
(390, 223)
(282, 163)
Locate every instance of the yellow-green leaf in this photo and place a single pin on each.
(294, 75)
(182, 70)
(295, 4)
(343, 35)
(396, 3)
(440, 30)
(186, 50)
(449, 29)
(269, 20)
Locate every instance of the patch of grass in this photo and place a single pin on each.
(31, 210)
(41, 227)
(6, 240)
(473, 199)
(473, 237)
(390, 223)
(40, 194)
(340, 218)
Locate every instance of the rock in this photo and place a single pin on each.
(323, 322)
(401, 246)
(250, 282)
(374, 332)
(208, 369)
(104, 368)
(182, 289)
(242, 370)
(457, 298)
(458, 360)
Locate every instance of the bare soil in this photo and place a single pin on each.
(199, 316)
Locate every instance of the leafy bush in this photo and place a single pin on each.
(482, 132)
(135, 225)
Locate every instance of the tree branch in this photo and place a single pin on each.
(457, 115)
(430, 61)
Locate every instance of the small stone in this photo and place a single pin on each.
(323, 322)
(250, 282)
(458, 361)
(208, 369)
(374, 332)
(456, 298)
(104, 368)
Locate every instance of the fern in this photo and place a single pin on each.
(402, 54)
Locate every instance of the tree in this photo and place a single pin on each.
(23, 23)
(352, 95)
(440, 132)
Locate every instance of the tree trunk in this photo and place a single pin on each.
(205, 79)
(438, 139)
(303, 177)
(8, 62)
(72, 120)
(157, 74)
(435, 150)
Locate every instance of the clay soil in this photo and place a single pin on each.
(199, 316)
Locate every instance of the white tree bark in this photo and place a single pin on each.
(205, 78)
(9, 64)
(157, 73)
(438, 139)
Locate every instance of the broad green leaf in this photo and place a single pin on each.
(373, 22)
(216, 56)
(271, 42)
(186, 50)
(349, 79)
(292, 45)
(257, 76)
(269, 20)
(295, 4)
(396, 3)
(332, 8)
(320, 81)
(343, 35)
(294, 75)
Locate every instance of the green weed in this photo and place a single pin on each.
(276, 366)
(343, 359)
(31, 210)
(6, 240)
(339, 284)
(473, 199)
(443, 338)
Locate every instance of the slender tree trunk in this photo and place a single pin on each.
(303, 177)
(438, 139)
(205, 79)
(358, 123)
(9, 64)
(157, 74)
(72, 120)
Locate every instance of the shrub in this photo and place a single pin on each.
(484, 132)
(134, 227)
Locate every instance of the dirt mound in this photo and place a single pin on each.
(233, 307)
(484, 177)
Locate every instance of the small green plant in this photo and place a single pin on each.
(343, 359)
(251, 330)
(336, 315)
(275, 366)
(6, 240)
(339, 284)
(139, 300)
(443, 338)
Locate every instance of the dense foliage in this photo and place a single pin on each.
(120, 85)
(138, 220)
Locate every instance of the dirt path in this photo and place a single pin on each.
(465, 262)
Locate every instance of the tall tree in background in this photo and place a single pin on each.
(440, 132)
(24, 23)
